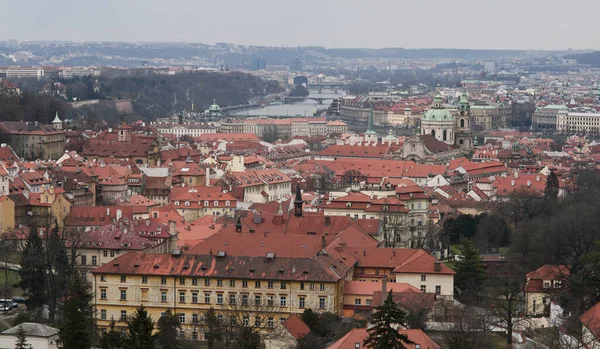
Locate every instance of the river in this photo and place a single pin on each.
(306, 107)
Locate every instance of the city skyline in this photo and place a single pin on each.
(463, 24)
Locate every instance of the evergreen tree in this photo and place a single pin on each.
(168, 325)
(551, 190)
(215, 332)
(32, 272)
(139, 331)
(312, 321)
(77, 328)
(469, 272)
(57, 266)
(112, 339)
(22, 339)
(385, 323)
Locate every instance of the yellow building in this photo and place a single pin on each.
(7, 214)
(47, 203)
(541, 287)
(267, 288)
(32, 140)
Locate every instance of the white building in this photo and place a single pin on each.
(38, 336)
(577, 123)
(187, 129)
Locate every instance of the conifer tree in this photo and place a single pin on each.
(386, 321)
(139, 331)
(469, 272)
(32, 272)
(215, 331)
(168, 325)
(551, 190)
(77, 328)
(22, 339)
(112, 339)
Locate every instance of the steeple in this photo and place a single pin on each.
(57, 123)
(298, 202)
(238, 225)
(370, 127)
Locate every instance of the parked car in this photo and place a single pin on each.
(5, 304)
(19, 300)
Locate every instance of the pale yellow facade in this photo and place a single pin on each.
(118, 296)
(7, 214)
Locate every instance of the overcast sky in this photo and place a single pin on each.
(500, 24)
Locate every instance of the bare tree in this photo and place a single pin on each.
(249, 320)
(470, 328)
(505, 297)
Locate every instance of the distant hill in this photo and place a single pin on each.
(592, 58)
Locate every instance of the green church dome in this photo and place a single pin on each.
(437, 111)
(438, 115)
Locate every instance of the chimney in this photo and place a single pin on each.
(172, 228)
(207, 176)
(516, 175)
(323, 242)
(437, 266)
(529, 183)
(512, 182)
(108, 211)
(327, 220)
(364, 252)
(147, 222)
(119, 214)
(238, 226)
(384, 287)
(537, 178)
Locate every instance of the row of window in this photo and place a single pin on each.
(206, 203)
(259, 321)
(244, 299)
(232, 282)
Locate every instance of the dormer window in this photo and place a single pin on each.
(206, 203)
(187, 203)
(216, 203)
(176, 203)
(546, 284)
(348, 204)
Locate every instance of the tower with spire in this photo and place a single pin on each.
(57, 123)
(371, 134)
(298, 202)
(464, 124)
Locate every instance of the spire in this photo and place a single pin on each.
(238, 225)
(370, 128)
(56, 119)
(298, 202)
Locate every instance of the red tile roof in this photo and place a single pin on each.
(358, 336)
(296, 327)
(591, 320)
(236, 267)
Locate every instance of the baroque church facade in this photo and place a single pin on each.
(451, 127)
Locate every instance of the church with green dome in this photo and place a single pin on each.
(213, 110)
(451, 127)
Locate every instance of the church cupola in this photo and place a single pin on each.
(57, 123)
(298, 202)
(124, 131)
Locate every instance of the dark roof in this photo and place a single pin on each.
(237, 267)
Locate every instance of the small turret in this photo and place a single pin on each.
(298, 202)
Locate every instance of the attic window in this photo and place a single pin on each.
(221, 254)
(136, 265)
(156, 266)
(270, 255)
(252, 270)
(186, 266)
(348, 204)
(203, 267)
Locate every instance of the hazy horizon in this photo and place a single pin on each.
(461, 24)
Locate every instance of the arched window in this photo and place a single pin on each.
(444, 135)
(462, 122)
(461, 142)
(433, 133)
